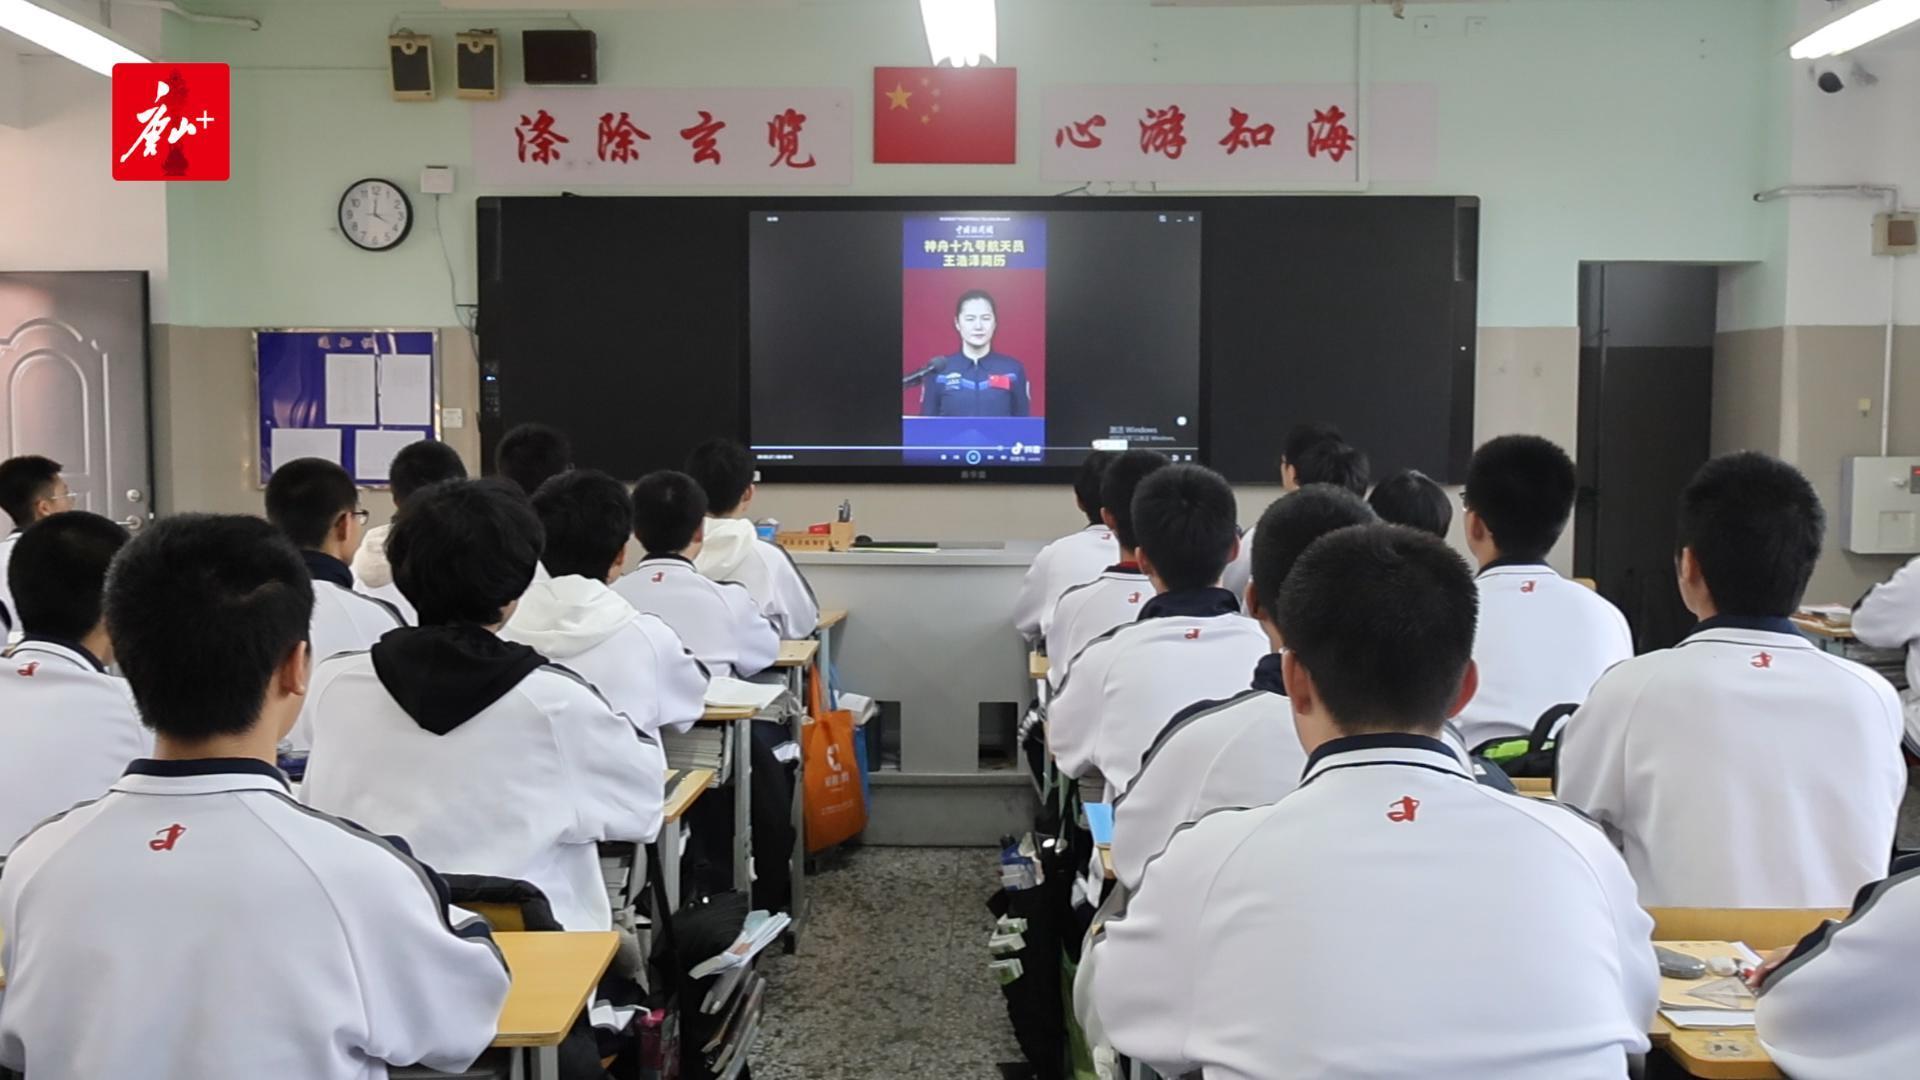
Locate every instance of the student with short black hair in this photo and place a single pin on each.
(1412, 498)
(731, 548)
(1071, 560)
(1184, 647)
(636, 661)
(168, 891)
(717, 620)
(1544, 640)
(317, 506)
(416, 466)
(71, 726)
(1116, 594)
(31, 488)
(531, 454)
(1223, 959)
(1745, 737)
(1313, 453)
(488, 758)
(1240, 750)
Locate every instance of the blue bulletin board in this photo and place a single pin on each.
(354, 397)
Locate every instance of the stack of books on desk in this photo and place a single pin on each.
(706, 746)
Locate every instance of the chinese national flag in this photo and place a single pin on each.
(943, 116)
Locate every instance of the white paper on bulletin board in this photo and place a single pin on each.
(373, 452)
(290, 444)
(351, 389)
(406, 390)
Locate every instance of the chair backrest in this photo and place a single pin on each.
(1760, 928)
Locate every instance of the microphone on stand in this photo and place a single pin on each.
(933, 365)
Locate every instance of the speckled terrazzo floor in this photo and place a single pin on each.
(891, 978)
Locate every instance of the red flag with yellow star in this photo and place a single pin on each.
(943, 116)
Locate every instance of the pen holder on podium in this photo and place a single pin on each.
(830, 536)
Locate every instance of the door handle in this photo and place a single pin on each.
(133, 522)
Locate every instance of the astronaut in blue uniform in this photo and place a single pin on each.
(976, 381)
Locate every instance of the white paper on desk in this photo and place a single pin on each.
(406, 389)
(1697, 1019)
(727, 692)
(374, 450)
(290, 444)
(351, 389)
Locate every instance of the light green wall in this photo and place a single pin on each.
(1592, 129)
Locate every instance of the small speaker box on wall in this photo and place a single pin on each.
(410, 62)
(559, 57)
(476, 65)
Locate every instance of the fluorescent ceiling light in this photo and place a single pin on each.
(65, 35)
(961, 32)
(1857, 27)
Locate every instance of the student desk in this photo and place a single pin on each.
(830, 620)
(1038, 667)
(1534, 787)
(554, 975)
(741, 717)
(683, 790)
(794, 659)
(1731, 1054)
(1841, 642)
(934, 644)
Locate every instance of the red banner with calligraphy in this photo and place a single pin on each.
(1291, 133)
(653, 138)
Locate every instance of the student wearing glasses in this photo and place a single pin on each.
(31, 488)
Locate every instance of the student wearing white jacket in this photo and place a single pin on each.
(69, 727)
(414, 467)
(317, 506)
(1187, 644)
(717, 620)
(1543, 640)
(31, 488)
(195, 921)
(487, 758)
(1241, 751)
(1670, 750)
(731, 548)
(1313, 453)
(636, 661)
(1840, 1005)
(1115, 595)
(1231, 957)
(1070, 560)
(1888, 617)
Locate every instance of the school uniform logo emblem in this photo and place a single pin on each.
(1193, 634)
(1133, 598)
(165, 838)
(659, 577)
(1762, 660)
(1529, 586)
(1403, 809)
(29, 670)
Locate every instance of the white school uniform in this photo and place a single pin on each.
(1074, 558)
(197, 922)
(523, 787)
(1126, 685)
(1239, 572)
(1841, 1006)
(1542, 641)
(375, 573)
(344, 620)
(1112, 598)
(733, 551)
(1742, 768)
(716, 620)
(9, 618)
(1888, 617)
(634, 660)
(67, 731)
(1324, 935)
(1243, 751)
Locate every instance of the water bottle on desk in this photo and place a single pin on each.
(767, 528)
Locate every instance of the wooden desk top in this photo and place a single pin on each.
(832, 617)
(726, 714)
(684, 787)
(1106, 861)
(1038, 666)
(1824, 629)
(797, 654)
(1730, 1054)
(553, 976)
(1539, 787)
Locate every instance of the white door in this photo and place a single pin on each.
(73, 383)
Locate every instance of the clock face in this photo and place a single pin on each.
(375, 215)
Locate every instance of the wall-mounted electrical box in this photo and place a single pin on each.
(1881, 497)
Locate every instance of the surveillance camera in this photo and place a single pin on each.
(1832, 77)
